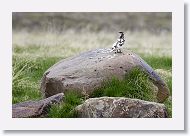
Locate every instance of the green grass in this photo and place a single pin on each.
(27, 73)
(136, 84)
(66, 108)
(157, 62)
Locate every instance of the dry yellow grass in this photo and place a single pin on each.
(70, 42)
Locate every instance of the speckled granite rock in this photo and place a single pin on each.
(86, 72)
(31, 109)
(120, 107)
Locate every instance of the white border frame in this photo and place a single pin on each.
(174, 6)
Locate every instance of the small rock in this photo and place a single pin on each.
(120, 107)
(31, 109)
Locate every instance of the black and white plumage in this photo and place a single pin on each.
(119, 43)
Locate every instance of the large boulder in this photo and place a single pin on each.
(31, 109)
(88, 70)
(120, 107)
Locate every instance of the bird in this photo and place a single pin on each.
(119, 43)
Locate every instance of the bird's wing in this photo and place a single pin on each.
(115, 45)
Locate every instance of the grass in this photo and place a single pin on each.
(22, 88)
(136, 84)
(66, 108)
(159, 62)
(31, 58)
(27, 73)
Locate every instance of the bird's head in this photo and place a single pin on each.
(121, 35)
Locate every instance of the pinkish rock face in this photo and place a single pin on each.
(119, 107)
(87, 71)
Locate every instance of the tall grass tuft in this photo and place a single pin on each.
(26, 74)
(22, 88)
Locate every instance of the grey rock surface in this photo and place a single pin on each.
(120, 107)
(31, 109)
(86, 72)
